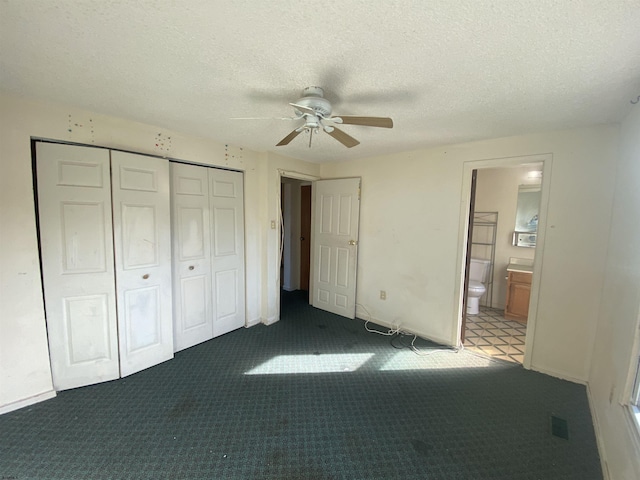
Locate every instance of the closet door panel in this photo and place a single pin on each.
(74, 205)
(142, 239)
(227, 219)
(191, 239)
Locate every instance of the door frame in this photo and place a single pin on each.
(468, 168)
(279, 242)
(467, 260)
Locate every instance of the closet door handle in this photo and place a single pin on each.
(191, 267)
(145, 276)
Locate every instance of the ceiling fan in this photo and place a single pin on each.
(315, 111)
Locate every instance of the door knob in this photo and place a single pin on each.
(191, 267)
(302, 239)
(145, 276)
(352, 242)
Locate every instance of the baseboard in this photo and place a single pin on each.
(253, 323)
(560, 375)
(41, 397)
(599, 441)
(270, 320)
(441, 341)
(288, 288)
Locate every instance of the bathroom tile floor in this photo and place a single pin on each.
(491, 334)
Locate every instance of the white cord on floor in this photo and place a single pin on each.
(397, 331)
(424, 353)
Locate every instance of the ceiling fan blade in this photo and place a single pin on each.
(303, 108)
(288, 138)
(383, 122)
(345, 139)
(263, 118)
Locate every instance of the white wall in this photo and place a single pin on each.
(497, 191)
(24, 361)
(618, 317)
(411, 237)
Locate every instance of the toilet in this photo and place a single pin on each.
(478, 270)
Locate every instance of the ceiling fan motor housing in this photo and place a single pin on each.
(313, 98)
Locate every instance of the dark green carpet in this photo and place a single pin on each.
(376, 412)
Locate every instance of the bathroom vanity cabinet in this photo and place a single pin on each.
(518, 293)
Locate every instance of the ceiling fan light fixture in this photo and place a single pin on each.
(315, 110)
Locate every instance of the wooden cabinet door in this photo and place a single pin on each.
(518, 294)
(519, 300)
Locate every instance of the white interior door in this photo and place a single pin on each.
(227, 249)
(336, 216)
(74, 206)
(142, 240)
(191, 239)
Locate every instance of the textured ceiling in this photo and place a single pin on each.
(445, 71)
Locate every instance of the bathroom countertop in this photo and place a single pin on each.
(514, 267)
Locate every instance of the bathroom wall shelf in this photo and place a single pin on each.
(483, 245)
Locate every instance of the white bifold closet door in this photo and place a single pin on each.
(76, 241)
(107, 289)
(193, 314)
(227, 249)
(208, 253)
(142, 240)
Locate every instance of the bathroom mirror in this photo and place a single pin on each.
(527, 215)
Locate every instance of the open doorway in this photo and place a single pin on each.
(501, 253)
(333, 241)
(295, 260)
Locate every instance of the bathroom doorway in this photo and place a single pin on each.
(500, 257)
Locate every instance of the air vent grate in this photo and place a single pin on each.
(559, 427)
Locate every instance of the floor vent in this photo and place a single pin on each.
(559, 427)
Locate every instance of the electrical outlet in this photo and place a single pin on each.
(273, 224)
(383, 295)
